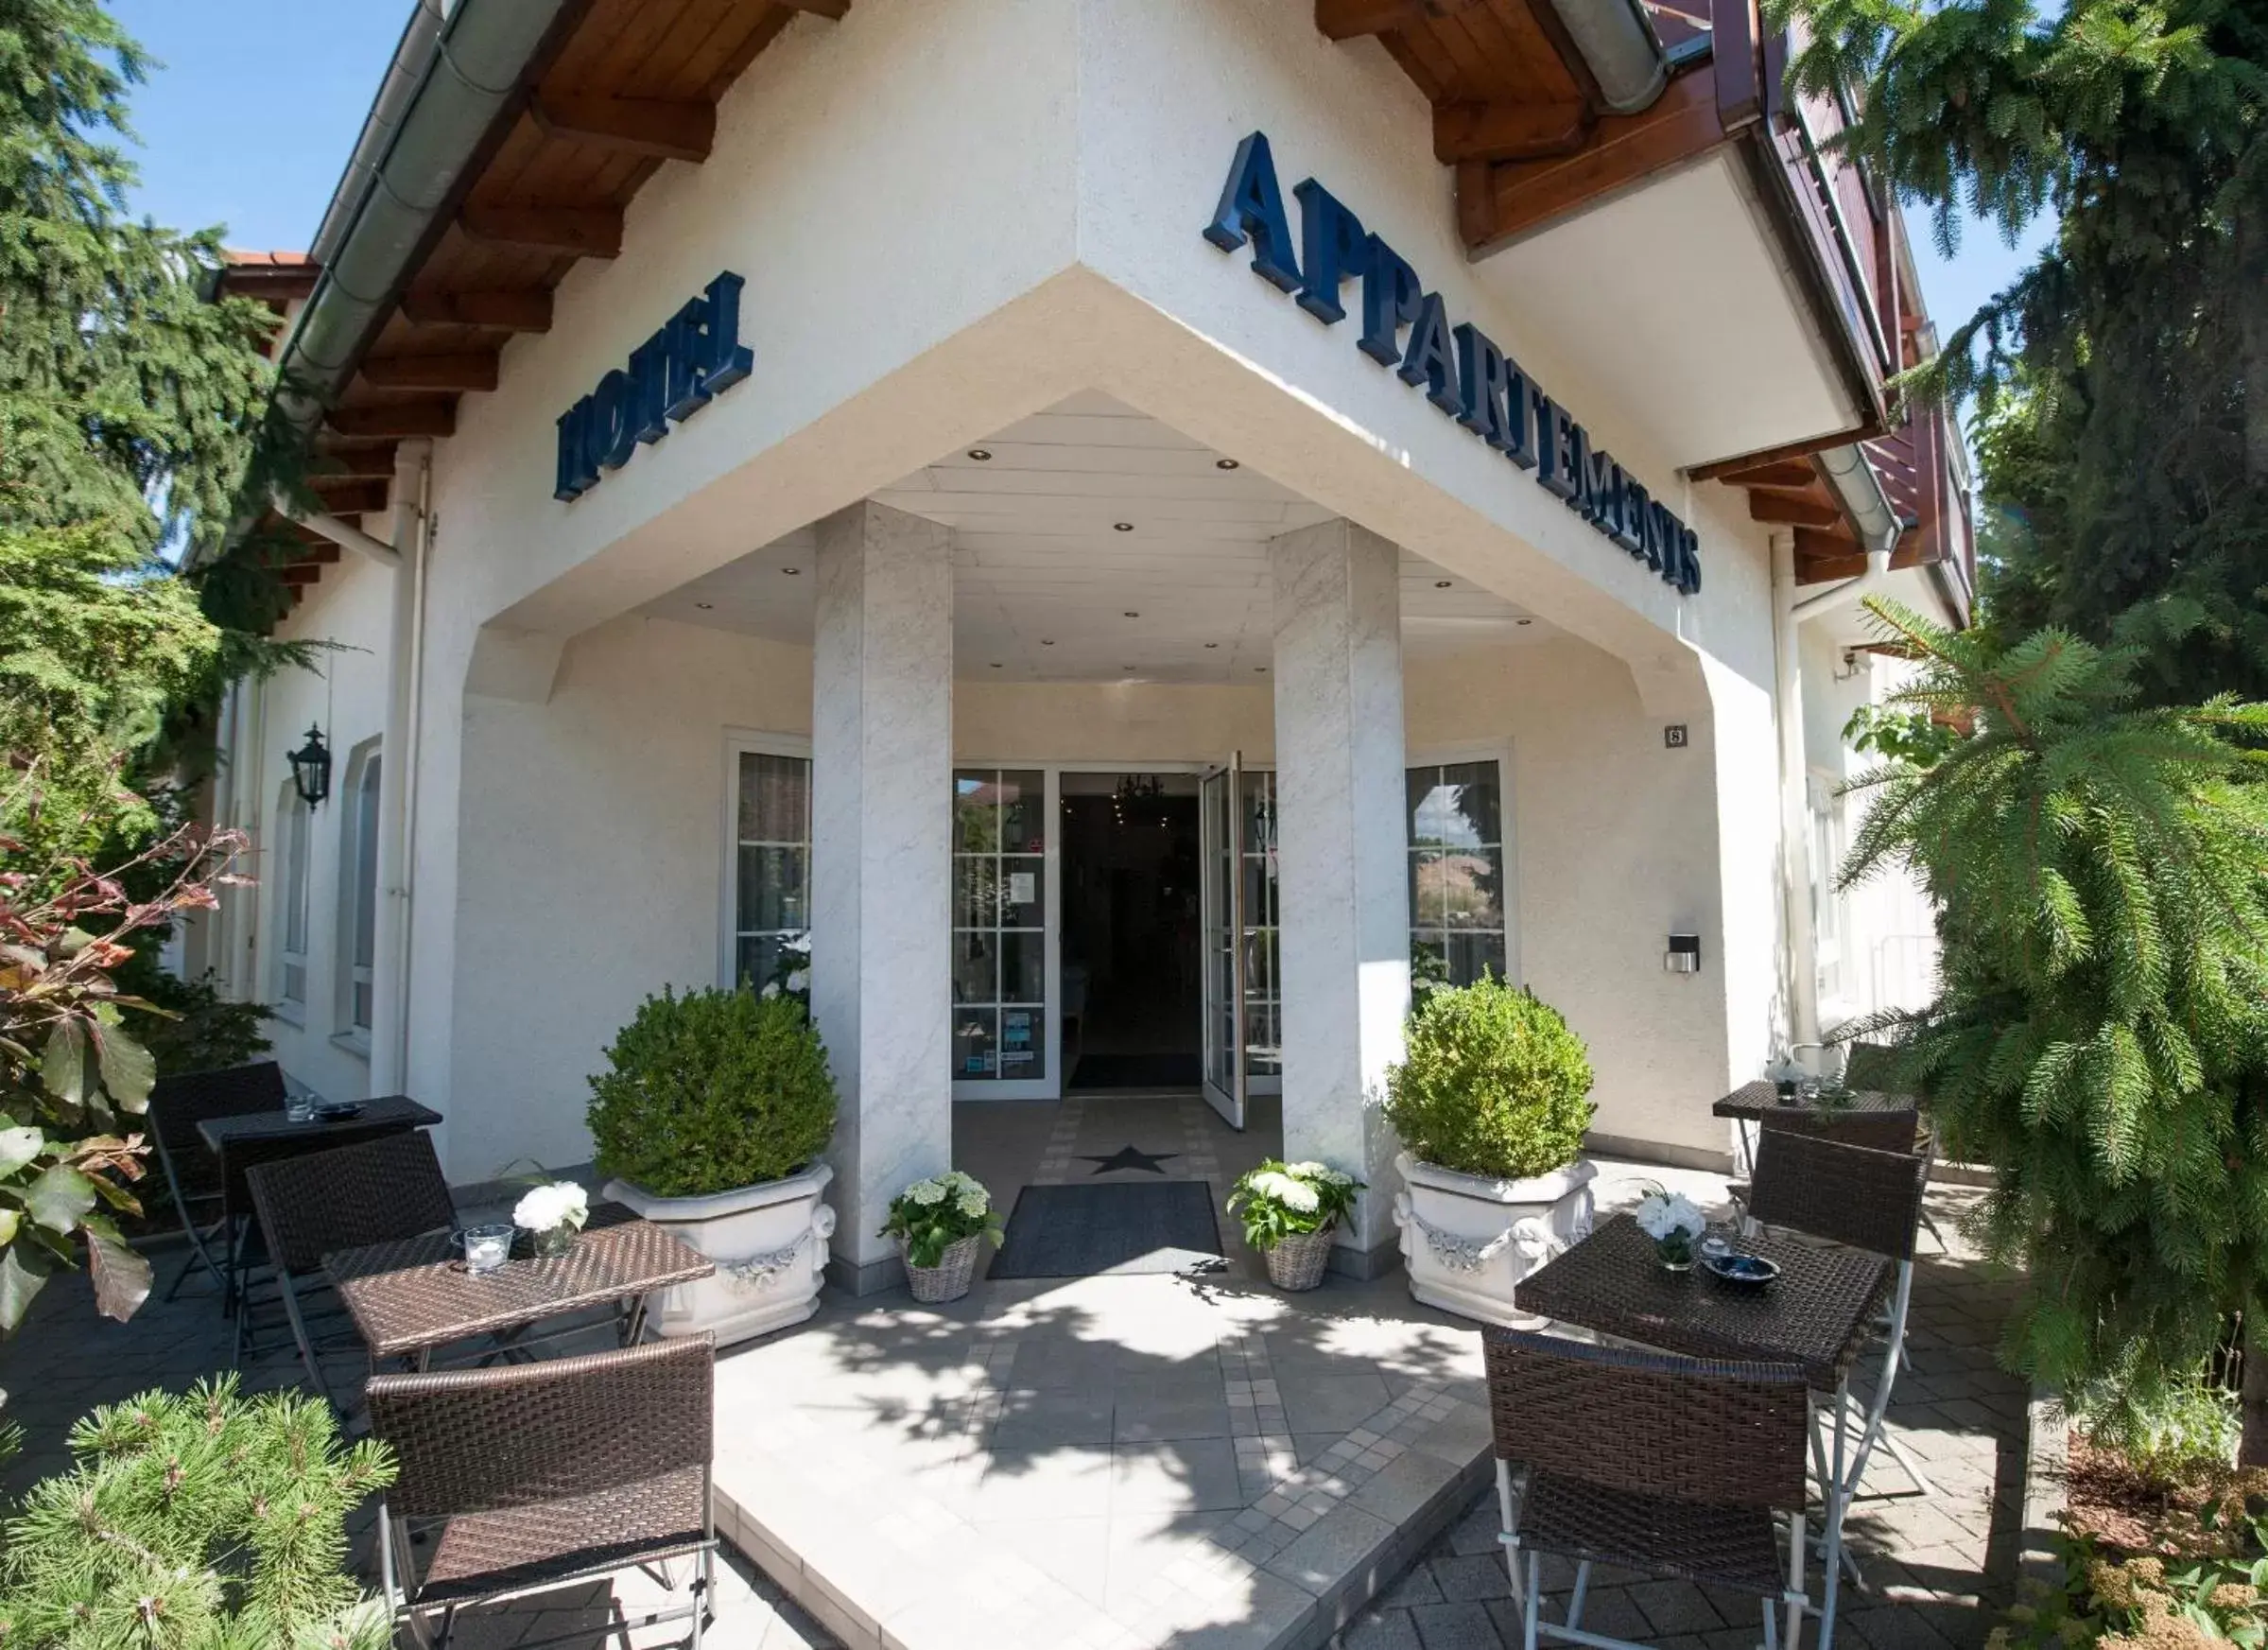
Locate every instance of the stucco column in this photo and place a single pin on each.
(881, 861)
(1343, 858)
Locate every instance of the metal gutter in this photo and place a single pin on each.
(1617, 40)
(459, 64)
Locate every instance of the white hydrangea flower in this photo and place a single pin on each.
(1308, 1170)
(800, 945)
(562, 1203)
(972, 1203)
(1662, 1213)
(1293, 1194)
(799, 980)
(927, 1192)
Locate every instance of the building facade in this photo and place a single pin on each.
(1129, 523)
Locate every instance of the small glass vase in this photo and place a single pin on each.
(552, 1241)
(1674, 1252)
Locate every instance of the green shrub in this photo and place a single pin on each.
(1493, 1082)
(711, 1091)
(198, 1518)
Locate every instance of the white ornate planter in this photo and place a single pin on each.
(1467, 1242)
(769, 1243)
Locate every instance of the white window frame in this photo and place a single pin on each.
(737, 743)
(350, 972)
(295, 847)
(1501, 753)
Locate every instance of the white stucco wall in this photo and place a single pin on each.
(946, 223)
(350, 615)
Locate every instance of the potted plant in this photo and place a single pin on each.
(710, 1119)
(1289, 1211)
(1490, 1100)
(939, 1224)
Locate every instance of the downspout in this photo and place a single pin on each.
(1616, 42)
(397, 791)
(1870, 508)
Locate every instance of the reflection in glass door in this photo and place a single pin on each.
(1221, 889)
(1257, 921)
(1001, 1026)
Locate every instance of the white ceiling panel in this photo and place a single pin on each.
(1045, 580)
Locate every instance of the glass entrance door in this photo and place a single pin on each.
(1222, 890)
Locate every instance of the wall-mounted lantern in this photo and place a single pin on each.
(311, 769)
(1684, 955)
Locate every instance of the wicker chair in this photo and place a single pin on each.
(1678, 1466)
(317, 1203)
(537, 1475)
(1867, 1200)
(177, 1105)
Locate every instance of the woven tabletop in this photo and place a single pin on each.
(1812, 1314)
(415, 1293)
(1761, 1101)
(390, 1111)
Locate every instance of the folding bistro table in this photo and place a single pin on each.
(410, 1297)
(1815, 1315)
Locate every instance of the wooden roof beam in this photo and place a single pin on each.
(349, 497)
(358, 461)
(1791, 472)
(580, 232)
(453, 371)
(433, 415)
(1790, 509)
(1351, 19)
(326, 552)
(299, 573)
(1508, 131)
(660, 128)
(833, 10)
(503, 309)
(1500, 201)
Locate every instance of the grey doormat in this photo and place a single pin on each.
(1121, 1228)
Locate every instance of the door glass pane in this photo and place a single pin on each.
(1458, 924)
(1262, 1055)
(999, 924)
(772, 861)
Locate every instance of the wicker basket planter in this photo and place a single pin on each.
(1467, 1242)
(1297, 1263)
(949, 1278)
(769, 1243)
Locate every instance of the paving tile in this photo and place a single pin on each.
(1473, 1577)
(1393, 1630)
(1043, 1417)
(1339, 1543)
(1335, 1402)
(1674, 1607)
(1455, 1626)
(1189, 1475)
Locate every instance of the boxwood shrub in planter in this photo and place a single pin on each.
(1490, 1100)
(710, 1119)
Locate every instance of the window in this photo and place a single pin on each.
(358, 932)
(999, 924)
(1457, 930)
(770, 870)
(294, 825)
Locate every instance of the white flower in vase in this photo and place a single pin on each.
(549, 1207)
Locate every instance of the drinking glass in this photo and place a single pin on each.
(486, 1247)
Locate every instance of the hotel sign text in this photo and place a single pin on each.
(1463, 371)
(670, 377)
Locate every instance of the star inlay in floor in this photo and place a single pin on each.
(1129, 1157)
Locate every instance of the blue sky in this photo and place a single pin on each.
(249, 122)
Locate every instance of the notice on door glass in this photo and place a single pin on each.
(1022, 888)
(1017, 1029)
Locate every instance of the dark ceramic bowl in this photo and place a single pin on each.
(1739, 1271)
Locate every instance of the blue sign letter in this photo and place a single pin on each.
(1252, 204)
(1334, 248)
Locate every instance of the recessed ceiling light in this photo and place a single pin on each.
(1212, 644)
(1121, 526)
(1132, 614)
(982, 456)
(705, 606)
(791, 572)
(1523, 622)
(1046, 644)
(1259, 670)
(1128, 668)
(1440, 583)
(1226, 465)
(996, 664)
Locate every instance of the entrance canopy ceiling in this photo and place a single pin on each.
(1092, 543)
